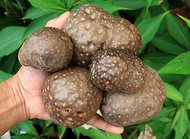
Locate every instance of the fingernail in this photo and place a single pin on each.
(64, 14)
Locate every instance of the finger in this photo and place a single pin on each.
(99, 122)
(59, 22)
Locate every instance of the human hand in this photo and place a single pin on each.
(31, 81)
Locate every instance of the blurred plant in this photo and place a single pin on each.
(11, 12)
(164, 27)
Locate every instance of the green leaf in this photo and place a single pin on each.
(61, 131)
(14, 130)
(173, 93)
(155, 66)
(38, 23)
(180, 123)
(131, 5)
(10, 39)
(68, 3)
(178, 30)
(48, 130)
(28, 127)
(148, 4)
(178, 65)
(185, 88)
(49, 5)
(157, 57)
(149, 27)
(8, 62)
(106, 5)
(24, 136)
(48, 123)
(167, 131)
(167, 44)
(143, 16)
(157, 128)
(186, 20)
(33, 13)
(188, 104)
(6, 22)
(163, 27)
(17, 66)
(177, 116)
(94, 133)
(172, 77)
(4, 76)
(165, 112)
(188, 132)
(169, 103)
(76, 132)
(113, 136)
(157, 10)
(165, 119)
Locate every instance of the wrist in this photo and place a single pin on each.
(14, 90)
(12, 105)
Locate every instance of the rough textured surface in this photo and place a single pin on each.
(47, 49)
(147, 133)
(117, 70)
(92, 29)
(70, 97)
(128, 109)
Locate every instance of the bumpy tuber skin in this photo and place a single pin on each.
(117, 70)
(123, 109)
(70, 97)
(48, 49)
(92, 29)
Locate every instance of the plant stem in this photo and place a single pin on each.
(132, 134)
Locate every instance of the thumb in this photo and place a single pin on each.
(59, 22)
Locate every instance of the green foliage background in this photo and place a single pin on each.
(166, 48)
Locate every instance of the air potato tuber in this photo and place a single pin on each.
(92, 29)
(117, 70)
(124, 109)
(48, 49)
(70, 97)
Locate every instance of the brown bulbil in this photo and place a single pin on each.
(48, 49)
(124, 109)
(92, 29)
(117, 70)
(70, 97)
